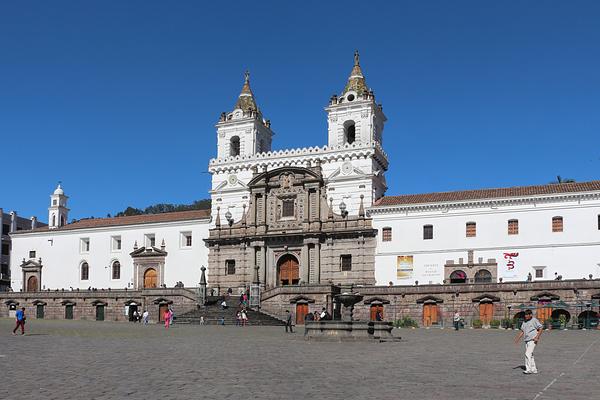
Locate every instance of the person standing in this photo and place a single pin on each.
(244, 317)
(288, 322)
(456, 320)
(145, 317)
(167, 318)
(171, 316)
(20, 321)
(531, 330)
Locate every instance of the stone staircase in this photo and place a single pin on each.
(214, 313)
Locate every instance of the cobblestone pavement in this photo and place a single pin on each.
(104, 360)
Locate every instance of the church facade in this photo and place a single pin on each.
(303, 223)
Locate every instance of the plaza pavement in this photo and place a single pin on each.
(105, 360)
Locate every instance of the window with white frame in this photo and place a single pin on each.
(539, 272)
(115, 243)
(84, 245)
(186, 239)
(150, 239)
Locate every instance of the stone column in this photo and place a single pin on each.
(317, 266)
(263, 266)
(305, 265)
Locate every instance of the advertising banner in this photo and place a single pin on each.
(404, 267)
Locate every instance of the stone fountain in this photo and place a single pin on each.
(347, 328)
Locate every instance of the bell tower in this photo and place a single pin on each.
(354, 118)
(58, 211)
(243, 131)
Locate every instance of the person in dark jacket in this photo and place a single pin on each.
(288, 322)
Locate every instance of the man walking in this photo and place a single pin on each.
(288, 322)
(456, 320)
(531, 330)
(20, 321)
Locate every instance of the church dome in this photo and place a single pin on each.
(59, 190)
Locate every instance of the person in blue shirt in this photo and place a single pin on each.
(20, 321)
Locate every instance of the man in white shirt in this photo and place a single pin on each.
(145, 317)
(531, 330)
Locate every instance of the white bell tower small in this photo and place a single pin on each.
(354, 118)
(243, 131)
(58, 212)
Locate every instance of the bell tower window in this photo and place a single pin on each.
(349, 132)
(234, 149)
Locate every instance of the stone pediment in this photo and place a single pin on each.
(545, 296)
(31, 265)
(148, 252)
(68, 303)
(429, 300)
(376, 300)
(10, 302)
(162, 300)
(39, 303)
(99, 303)
(285, 176)
(301, 299)
(486, 298)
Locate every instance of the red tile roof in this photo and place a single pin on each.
(480, 194)
(131, 220)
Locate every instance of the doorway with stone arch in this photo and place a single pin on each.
(150, 278)
(32, 284)
(288, 270)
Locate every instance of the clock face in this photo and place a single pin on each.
(347, 168)
(232, 179)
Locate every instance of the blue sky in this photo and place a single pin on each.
(118, 99)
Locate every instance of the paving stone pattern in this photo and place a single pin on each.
(110, 360)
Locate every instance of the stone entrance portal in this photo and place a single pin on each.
(288, 270)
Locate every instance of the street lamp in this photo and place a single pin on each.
(343, 209)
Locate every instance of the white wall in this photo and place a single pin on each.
(61, 255)
(573, 253)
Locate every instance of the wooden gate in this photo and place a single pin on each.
(69, 311)
(150, 278)
(544, 311)
(289, 270)
(430, 314)
(486, 313)
(100, 312)
(39, 311)
(301, 311)
(375, 308)
(32, 284)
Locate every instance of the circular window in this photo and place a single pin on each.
(350, 97)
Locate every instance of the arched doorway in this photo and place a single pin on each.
(458, 276)
(32, 284)
(518, 319)
(430, 314)
(588, 319)
(288, 270)
(483, 276)
(374, 309)
(301, 311)
(100, 312)
(150, 278)
(486, 313)
(560, 318)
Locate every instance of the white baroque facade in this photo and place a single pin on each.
(467, 236)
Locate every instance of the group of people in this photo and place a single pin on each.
(143, 317)
(241, 318)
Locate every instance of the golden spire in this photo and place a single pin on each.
(356, 81)
(245, 101)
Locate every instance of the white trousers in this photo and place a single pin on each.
(529, 361)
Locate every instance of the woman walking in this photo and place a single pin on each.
(167, 318)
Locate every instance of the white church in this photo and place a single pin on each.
(474, 236)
